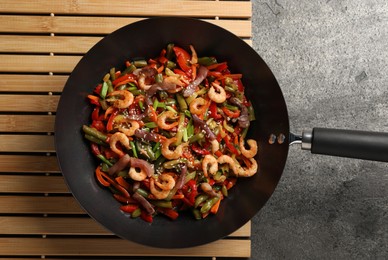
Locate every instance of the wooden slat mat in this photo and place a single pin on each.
(40, 43)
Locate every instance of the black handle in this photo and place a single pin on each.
(350, 143)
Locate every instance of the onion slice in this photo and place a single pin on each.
(243, 119)
(119, 165)
(202, 124)
(144, 203)
(142, 164)
(201, 75)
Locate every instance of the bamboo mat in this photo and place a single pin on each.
(40, 43)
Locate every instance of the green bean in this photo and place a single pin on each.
(105, 167)
(187, 113)
(190, 176)
(251, 113)
(179, 135)
(123, 173)
(162, 203)
(196, 137)
(185, 136)
(171, 109)
(150, 125)
(128, 70)
(173, 163)
(140, 63)
(159, 78)
(209, 204)
(102, 158)
(230, 107)
(104, 89)
(112, 73)
(134, 150)
(142, 192)
(170, 101)
(244, 133)
(169, 72)
(171, 64)
(156, 103)
(207, 61)
(182, 102)
(94, 139)
(164, 95)
(136, 213)
(104, 104)
(106, 77)
(170, 51)
(94, 132)
(224, 191)
(199, 199)
(141, 105)
(197, 214)
(228, 127)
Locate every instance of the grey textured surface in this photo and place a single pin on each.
(331, 60)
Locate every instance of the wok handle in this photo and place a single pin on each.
(347, 143)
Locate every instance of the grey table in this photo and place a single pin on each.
(331, 61)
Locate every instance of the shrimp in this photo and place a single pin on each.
(165, 182)
(125, 100)
(142, 84)
(137, 175)
(131, 130)
(249, 170)
(161, 121)
(252, 151)
(171, 155)
(118, 137)
(218, 96)
(233, 165)
(196, 106)
(159, 194)
(212, 161)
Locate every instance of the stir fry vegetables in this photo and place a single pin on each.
(169, 133)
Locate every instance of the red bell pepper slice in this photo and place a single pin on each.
(183, 58)
(172, 214)
(94, 100)
(125, 78)
(199, 150)
(213, 111)
(230, 145)
(230, 113)
(99, 125)
(146, 217)
(109, 125)
(95, 149)
(129, 208)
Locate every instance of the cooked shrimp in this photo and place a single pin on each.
(159, 194)
(125, 100)
(233, 165)
(131, 130)
(165, 182)
(137, 175)
(209, 161)
(163, 118)
(196, 106)
(169, 154)
(217, 93)
(248, 171)
(122, 139)
(141, 82)
(252, 151)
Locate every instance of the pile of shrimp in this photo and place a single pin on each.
(169, 134)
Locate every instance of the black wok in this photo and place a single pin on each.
(271, 130)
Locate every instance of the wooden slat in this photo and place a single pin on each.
(28, 103)
(94, 25)
(39, 205)
(241, 9)
(19, 225)
(116, 247)
(27, 123)
(32, 184)
(37, 63)
(32, 83)
(47, 44)
(28, 164)
(27, 143)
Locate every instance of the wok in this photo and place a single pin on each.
(271, 130)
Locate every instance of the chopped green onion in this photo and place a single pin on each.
(141, 105)
(156, 103)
